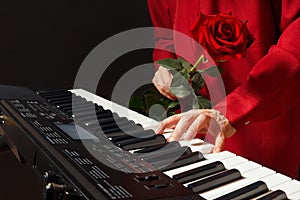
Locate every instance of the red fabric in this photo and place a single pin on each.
(263, 99)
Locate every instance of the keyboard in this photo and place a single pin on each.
(277, 185)
(87, 147)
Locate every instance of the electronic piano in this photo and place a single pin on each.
(87, 147)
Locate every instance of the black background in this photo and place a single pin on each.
(42, 45)
(43, 42)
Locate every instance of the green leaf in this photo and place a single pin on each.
(152, 90)
(137, 104)
(213, 71)
(180, 91)
(180, 86)
(164, 101)
(172, 108)
(179, 79)
(204, 103)
(170, 63)
(150, 100)
(197, 82)
(172, 105)
(220, 70)
(185, 73)
(185, 64)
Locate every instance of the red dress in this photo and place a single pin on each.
(263, 89)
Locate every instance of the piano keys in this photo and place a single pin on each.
(187, 169)
(251, 172)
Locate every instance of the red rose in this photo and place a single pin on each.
(223, 35)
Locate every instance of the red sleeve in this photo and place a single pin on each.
(160, 13)
(273, 84)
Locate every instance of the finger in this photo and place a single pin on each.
(203, 125)
(193, 129)
(219, 143)
(169, 122)
(182, 126)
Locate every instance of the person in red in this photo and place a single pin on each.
(261, 122)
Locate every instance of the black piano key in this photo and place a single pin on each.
(142, 143)
(76, 100)
(136, 139)
(94, 120)
(52, 93)
(44, 92)
(122, 124)
(275, 195)
(185, 159)
(103, 118)
(132, 136)
(157, 147)
(106, 123)
(56, 96)
(88, 105)
(215, 181)
(111, 134)
(166, 153)
(247, 192)
(118, 131)
(128, 128)
(200, 172)
(77, 106)
(90, 113)
(69, 101)
(62, 99)
(69, 105)
(114, 120)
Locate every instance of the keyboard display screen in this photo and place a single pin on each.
(76, 132)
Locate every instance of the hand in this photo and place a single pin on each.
(199, 121)
(162, 80)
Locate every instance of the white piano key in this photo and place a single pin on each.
(233, 161)
(248, 166)
(289, 188)
(249, 177)
(167, 135)
(275, 180)
(220, 155)
(197, 145)
(294, 196)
